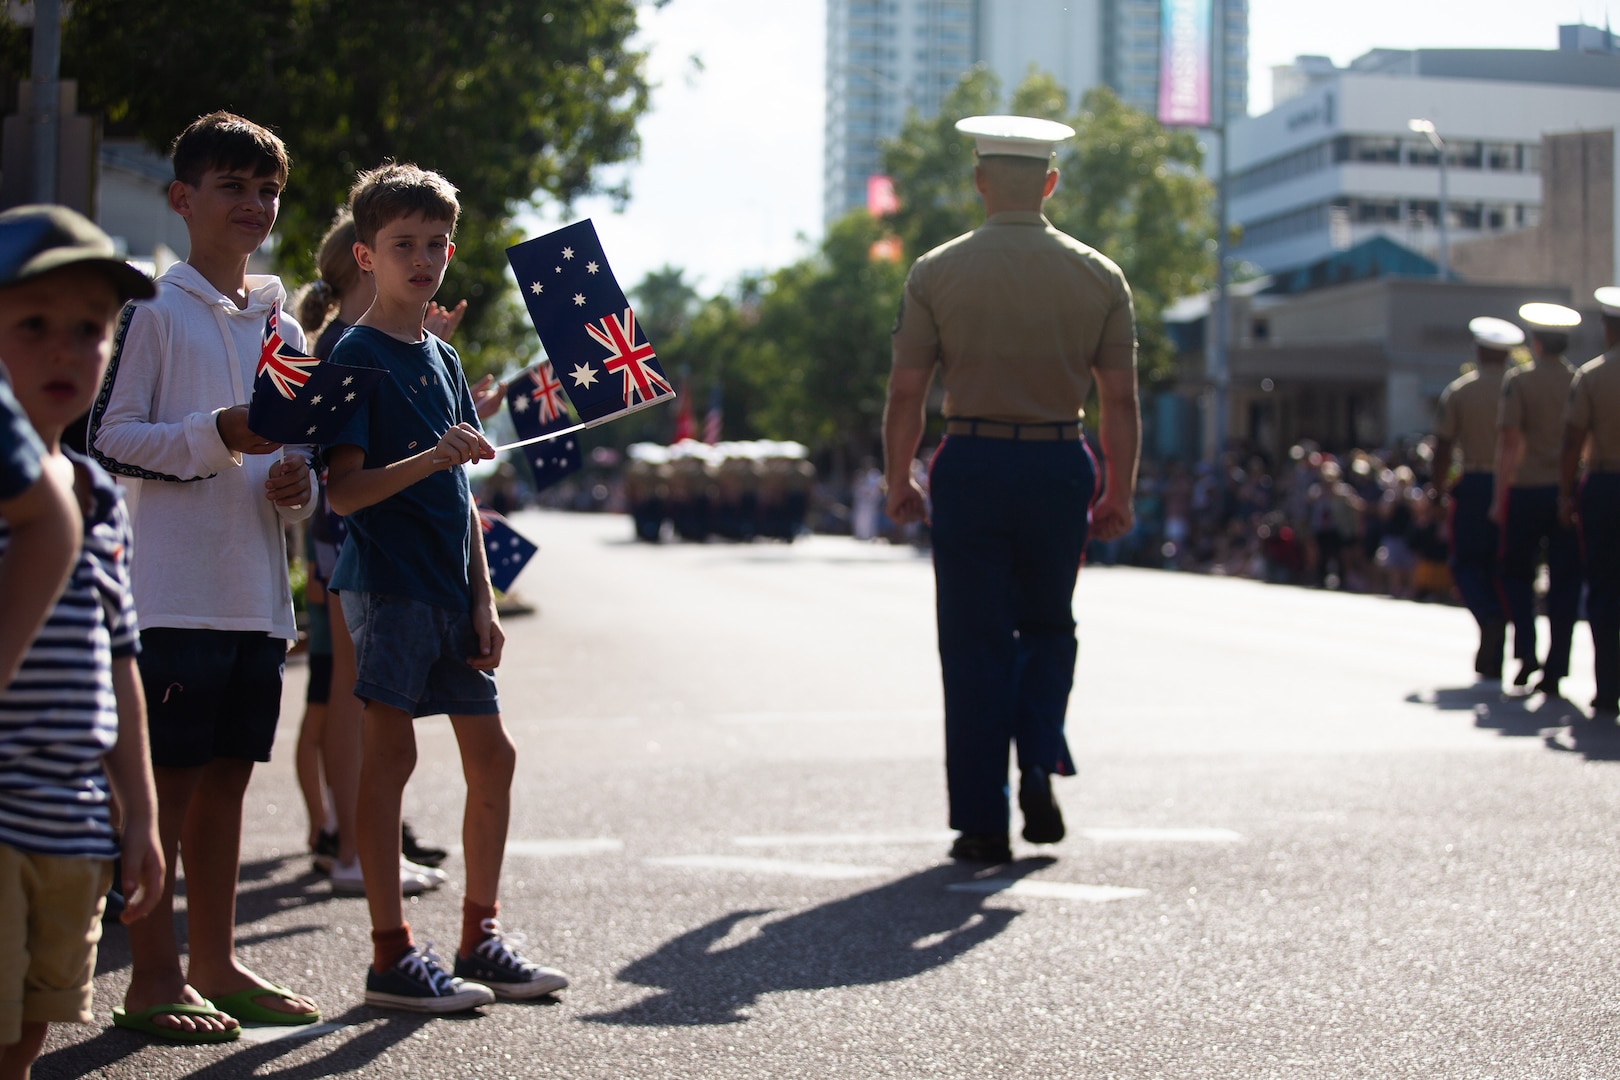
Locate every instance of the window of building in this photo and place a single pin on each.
(1502, 157)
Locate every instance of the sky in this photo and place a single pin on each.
(729, 177)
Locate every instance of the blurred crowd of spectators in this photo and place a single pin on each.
(1364, 521)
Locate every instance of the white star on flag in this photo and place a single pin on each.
(348, 397)
(579, 299)
(348, 380)
(583, 375)
(591, 268)
(568, 253)
(316, 400)
(520, 404)
(537, 288)
(310, 431)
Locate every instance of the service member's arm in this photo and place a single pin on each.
(1119, 426)
(486, 622)
(46, 531)
(1509, 455)
(1569, 464)
(350, 486)
(903, 420)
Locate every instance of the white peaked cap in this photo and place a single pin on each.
(1015, 136)
(1608, 299)
(1550, 316)
(1494, 333)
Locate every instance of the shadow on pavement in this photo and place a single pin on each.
(896, 931)
(1559, 722)
(363, 1045)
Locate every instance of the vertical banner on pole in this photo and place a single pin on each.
(1185, 62)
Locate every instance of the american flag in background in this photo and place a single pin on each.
(711, 419)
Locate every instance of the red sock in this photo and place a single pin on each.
(472, 924)
(388, 946)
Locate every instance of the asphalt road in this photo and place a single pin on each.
(1300, 846)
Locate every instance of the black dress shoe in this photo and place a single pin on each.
(416, 851)
(1043, 821)
(1527, 668)
(981, 847)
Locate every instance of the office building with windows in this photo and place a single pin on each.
(1336, 162)
(887, 57)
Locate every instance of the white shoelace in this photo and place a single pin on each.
(496, 949)
(424, 964)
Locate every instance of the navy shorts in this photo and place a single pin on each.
(413, 656)
(320, 679)
(211, 694)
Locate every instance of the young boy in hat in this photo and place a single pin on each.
(209, 499)
(417, 596)
(72, 721)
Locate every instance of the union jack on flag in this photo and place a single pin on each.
(578, 310)
(547, 394)
(618, 337)
(287, 368)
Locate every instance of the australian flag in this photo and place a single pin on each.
(507, 550)
(535, 402)
(606, 365)
(299, 399)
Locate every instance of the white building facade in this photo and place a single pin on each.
(1337, 163)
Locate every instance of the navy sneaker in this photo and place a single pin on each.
(417, 982)
(495, 963)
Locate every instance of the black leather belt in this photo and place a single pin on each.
(1058, 431)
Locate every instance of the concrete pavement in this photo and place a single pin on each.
(1301, 846)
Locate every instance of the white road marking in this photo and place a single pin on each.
(264, 1033)
(1161, 836)
(545, 849)
(836, 839)
(1048, 890)
(742, 865)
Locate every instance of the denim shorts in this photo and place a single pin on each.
(413, 656)
(211, 693)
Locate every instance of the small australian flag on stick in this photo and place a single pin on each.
(535, 402)
(506, 549)
(300, 399)
(606, 365)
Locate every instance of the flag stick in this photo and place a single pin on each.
(547, 437)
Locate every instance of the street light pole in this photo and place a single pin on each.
(1219, 370)
(1426, 129)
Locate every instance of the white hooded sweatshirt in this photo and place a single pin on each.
(210, 551)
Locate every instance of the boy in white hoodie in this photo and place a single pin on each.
(208, 499)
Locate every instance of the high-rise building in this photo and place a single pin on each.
(886, 57)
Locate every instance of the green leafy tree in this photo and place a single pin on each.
(515, 101)
(1129, 187)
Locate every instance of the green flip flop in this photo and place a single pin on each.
(143, 1022)
(244, 1007)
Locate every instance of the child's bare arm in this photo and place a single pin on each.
(46, 531)
(487, 624)
(129, 771)
(350, 486)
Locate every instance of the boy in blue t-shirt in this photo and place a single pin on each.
(73, 719)
(417, 597)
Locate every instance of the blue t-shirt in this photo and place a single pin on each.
(20, 448)
(414, 543)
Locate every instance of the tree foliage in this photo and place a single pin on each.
(1129, 187)
(513, 100)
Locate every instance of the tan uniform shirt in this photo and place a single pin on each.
(1017, 315)
(1594, 404)
(1533, 402)
(1468, 409)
